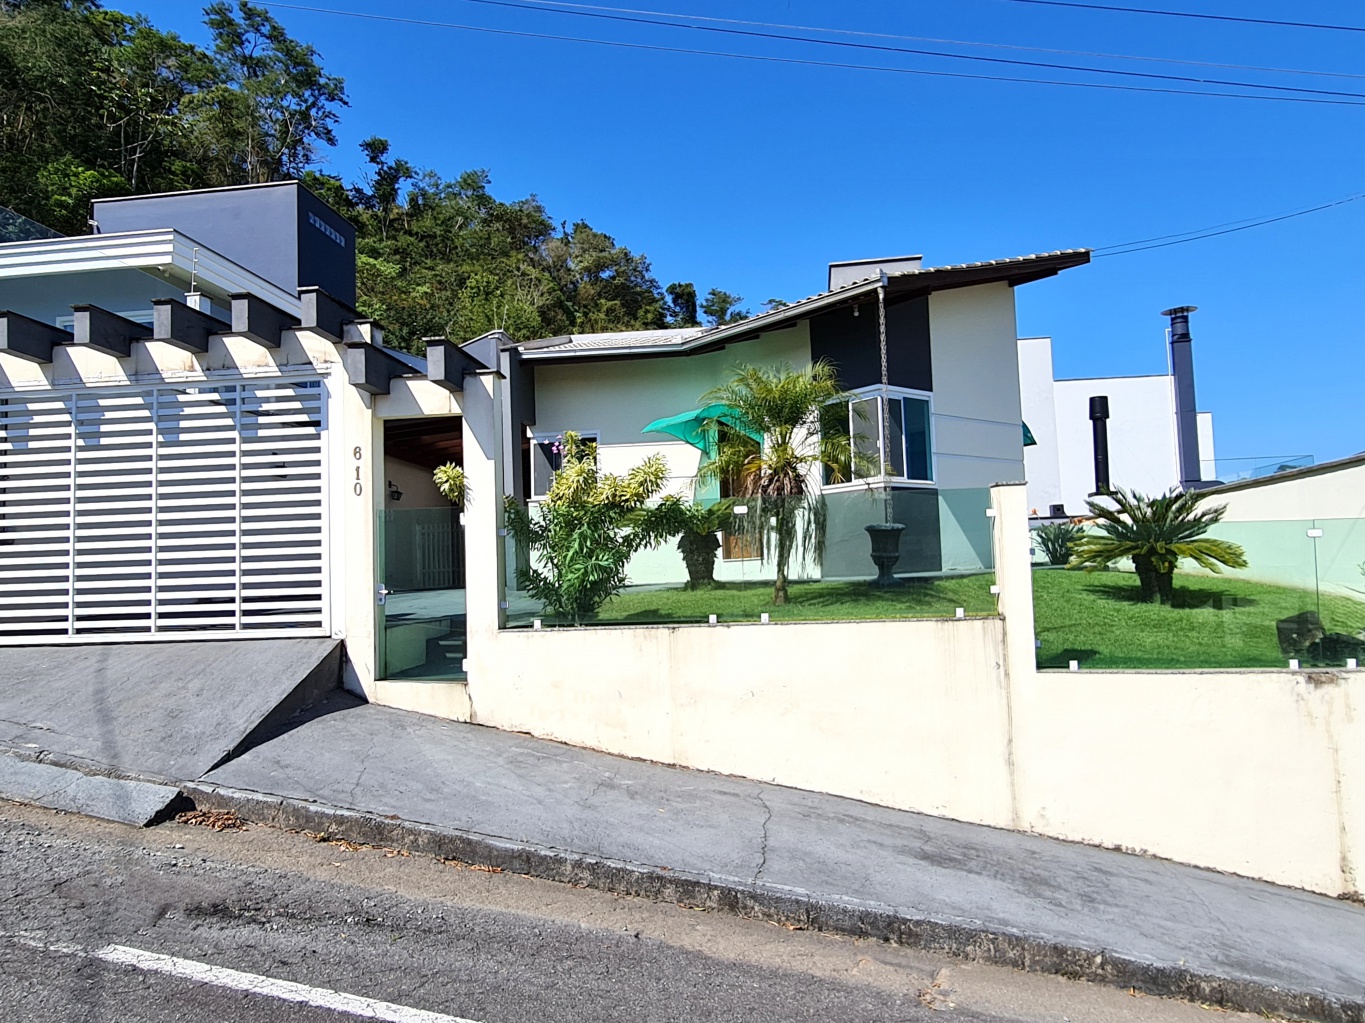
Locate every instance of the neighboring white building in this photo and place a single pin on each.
(1143, 433)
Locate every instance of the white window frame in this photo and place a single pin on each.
(546, 437)
(879, 392)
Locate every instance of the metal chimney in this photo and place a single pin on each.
(1186, 411)
(1099, 422)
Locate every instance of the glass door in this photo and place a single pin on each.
(420, 603)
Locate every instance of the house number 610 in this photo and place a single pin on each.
(359, 487)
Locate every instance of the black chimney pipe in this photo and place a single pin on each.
(1099, 421)
(1186, 410)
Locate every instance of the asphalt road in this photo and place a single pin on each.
(103, 922)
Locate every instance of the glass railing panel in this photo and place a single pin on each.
(1299, 598)
(933, 560)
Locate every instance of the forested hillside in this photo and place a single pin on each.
(96, 103)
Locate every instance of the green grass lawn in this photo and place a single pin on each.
(824, 601)
(1094, 618)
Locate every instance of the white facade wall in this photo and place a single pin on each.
(978, 439)
(1142, 448)
(1041, 466)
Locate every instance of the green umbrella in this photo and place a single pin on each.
(1029, 442)
(692, 427)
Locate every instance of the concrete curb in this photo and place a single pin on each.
(762, 901)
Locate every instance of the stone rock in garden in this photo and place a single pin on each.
(1336, 647)
(1299, 632)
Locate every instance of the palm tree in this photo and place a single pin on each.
(1155, 532)
(777, 478)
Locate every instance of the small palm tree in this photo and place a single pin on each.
(778, 479)
(1155, 532)
(697, 526)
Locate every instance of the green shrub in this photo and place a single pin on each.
(1056, 538)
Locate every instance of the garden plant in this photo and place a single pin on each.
(582, 535)
(1056, 538)
(784, 406)
(1155, 533)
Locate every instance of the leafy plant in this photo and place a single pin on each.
(450, 481)
(697, 526)
(582, 535)
(1056, 538)
(784, 406)
(1156, 533)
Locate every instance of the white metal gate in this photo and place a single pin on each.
(171, 509)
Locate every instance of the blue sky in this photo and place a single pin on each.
(752, 176)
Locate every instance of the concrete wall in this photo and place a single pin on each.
(1324, 492)
(978, 437)
(781, 702)
(1255, 773)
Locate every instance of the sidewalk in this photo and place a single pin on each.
(531, 806)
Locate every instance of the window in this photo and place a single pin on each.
(888, 437)
(547, 457)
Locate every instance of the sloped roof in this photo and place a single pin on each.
(1013, 271)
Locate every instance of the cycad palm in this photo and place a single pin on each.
(1155, 532)
(784, 406)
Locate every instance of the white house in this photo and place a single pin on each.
(202, 438)
(1144, 427)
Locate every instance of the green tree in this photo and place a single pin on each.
(682, 304)
(771, 304)
(273, 104)
(778, 479)
(587, 528)
(604, 285)
(721, 307)
(1156, 533)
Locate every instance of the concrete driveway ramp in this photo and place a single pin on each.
(156, 712)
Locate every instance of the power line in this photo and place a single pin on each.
(806, 62)
(1191, 14)
(1231, 227)
(909, 51)
(961, 42)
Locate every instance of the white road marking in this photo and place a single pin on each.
(236, 980)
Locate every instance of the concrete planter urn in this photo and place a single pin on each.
(886, 551)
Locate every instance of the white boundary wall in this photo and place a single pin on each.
(1260, 773)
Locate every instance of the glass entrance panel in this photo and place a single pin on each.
(420, 617)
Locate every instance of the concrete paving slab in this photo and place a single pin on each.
(138, 803)
(156, 711)
(540, 807)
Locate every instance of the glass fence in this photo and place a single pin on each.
(421, 617)
(1300, 598)
(849, 555)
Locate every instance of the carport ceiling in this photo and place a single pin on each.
(427, 442)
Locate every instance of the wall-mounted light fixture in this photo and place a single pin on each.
(394, 493)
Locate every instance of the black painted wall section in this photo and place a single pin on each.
(852, 344)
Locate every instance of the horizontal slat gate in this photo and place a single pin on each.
(173, 509)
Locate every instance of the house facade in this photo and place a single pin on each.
(203, 439)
